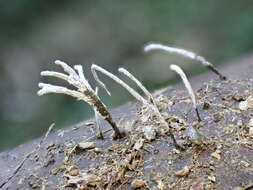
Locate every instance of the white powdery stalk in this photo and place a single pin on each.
(152, 104)
(135, 94)
(184, 53)
(48, 88)
(98, 120)
(138, 83)
(187, 84)
(84, 90)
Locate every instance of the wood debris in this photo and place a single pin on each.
(216, 154)
(139, 144)
(138, 183)
(247, 104)
(149, 132)
(183, 172)
(82, 181)
(86, 145)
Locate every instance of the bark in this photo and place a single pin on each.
(223, 162)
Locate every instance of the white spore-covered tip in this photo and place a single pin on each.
(179, 51)
(185, 53)
(186, 82)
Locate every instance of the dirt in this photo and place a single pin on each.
(73, 158)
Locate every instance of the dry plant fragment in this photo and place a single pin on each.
(185, 53)
(138, 183)
(150, 104)
(187, 84)
(247, 104)
(82, 181)
(83, 91)
(183, 172)
(86, 145)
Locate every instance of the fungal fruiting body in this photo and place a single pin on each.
(98, 120)
(187, 84)
(83, 91)
(187, 54)
(150, 103)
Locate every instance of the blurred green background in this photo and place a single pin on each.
(111, 34)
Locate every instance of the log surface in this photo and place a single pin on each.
(224, 163)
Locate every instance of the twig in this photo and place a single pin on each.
(187, 54)
(27, 156)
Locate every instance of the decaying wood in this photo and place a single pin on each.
(224, 162)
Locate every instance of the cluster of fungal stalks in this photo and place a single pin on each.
(85, 92)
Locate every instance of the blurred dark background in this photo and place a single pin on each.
(111, 34)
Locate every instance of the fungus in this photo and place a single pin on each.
(98, 120)
(149, 103)
(187, 54)
(83, 91)
(138, 83)
(187, 84)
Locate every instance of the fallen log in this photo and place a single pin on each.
(73, 158)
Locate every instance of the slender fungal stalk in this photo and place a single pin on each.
(138, 83)
(187, 84)
(187, 54)
(97, 119)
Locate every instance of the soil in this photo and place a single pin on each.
(74, 158)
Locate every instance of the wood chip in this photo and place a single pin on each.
(183, 172)
(247, 104)
(160, 185)
(139, 144)
(74, 172)
(216, 155)
(244, 163)
(149, 132)
(86, 145)
(82, 180)
(138, 183)
(212, 178)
